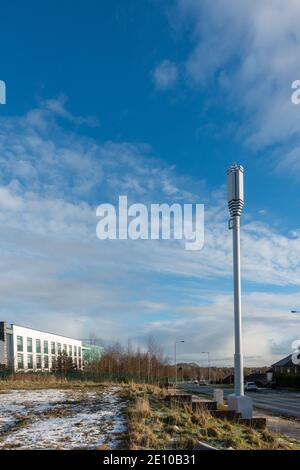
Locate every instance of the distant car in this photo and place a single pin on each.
(196, 382)
(202, 382)
(250, 387)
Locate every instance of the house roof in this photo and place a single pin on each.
(257, 375)
(284, 362)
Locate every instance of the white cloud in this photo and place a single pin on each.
(54, 268)
(268, 328)
(57, 106)
(9, 201)
(249, 51)
(165, 75)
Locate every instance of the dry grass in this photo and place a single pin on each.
(36, 381)
(154, 424)
(142, 407)
(104, 447)
(41, 381)
(141, 389)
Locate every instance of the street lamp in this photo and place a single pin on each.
(208, 358)
(235, 188)
(175, 359)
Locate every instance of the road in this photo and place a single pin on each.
(278, 402)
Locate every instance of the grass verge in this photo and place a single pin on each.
(43, 381)
(154, 424)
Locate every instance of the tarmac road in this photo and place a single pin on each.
(280, 403)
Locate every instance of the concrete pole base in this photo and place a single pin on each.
(219, 396)
(241, 404)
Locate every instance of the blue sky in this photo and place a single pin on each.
(154, 100)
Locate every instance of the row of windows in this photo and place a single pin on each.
(56, 348)
(287, 370)
(38, 364)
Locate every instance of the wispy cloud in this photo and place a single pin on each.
(58, 107)
(248, 52)
(53, 266)
(165, 75)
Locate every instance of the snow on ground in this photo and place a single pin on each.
(17, 404)
(61, 419)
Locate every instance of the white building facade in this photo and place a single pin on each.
(28, 350)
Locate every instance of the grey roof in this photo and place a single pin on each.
(286, 361)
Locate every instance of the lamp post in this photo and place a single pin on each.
(235, 188)
(208, 359)
(175, 359)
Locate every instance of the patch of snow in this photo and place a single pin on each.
(61, 419)
(17, 404)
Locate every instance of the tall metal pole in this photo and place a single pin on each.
(235, 205)
(238, 356)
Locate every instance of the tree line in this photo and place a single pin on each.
(150, 365)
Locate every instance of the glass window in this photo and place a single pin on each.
(29, 345)
(19, 343)
(38, 362)
(58, 348)
(46, 350)
(38, 345)
(79, 363)
(52, 347)
(29, 361)
(79, 351)
(65, 348)
(75, 350)
(70, 350)
(46, 362)
(20, 361)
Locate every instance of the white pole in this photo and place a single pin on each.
(238, 401)
(235, 205)
(238, 356)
